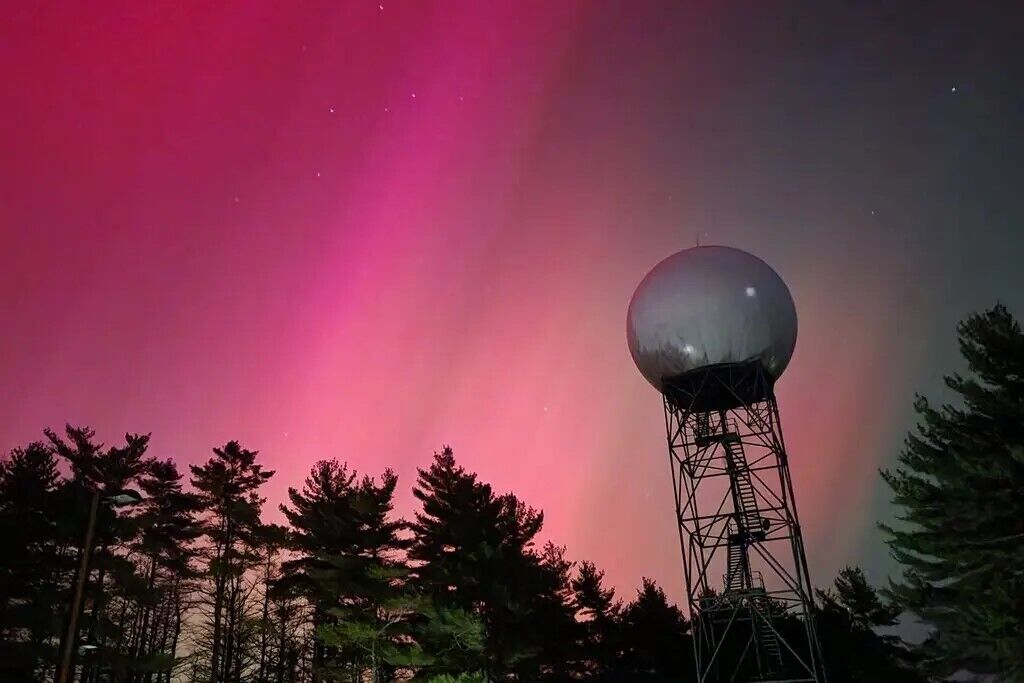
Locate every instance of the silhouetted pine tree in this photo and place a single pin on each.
(227, 486)
(547, 624)
(165, 549)
(849, 618)
(32, 582)
(348, 567)
(473, 551)
(290, 639)
(332, 598)
(655, 645)
(598, 613)
(273, 540)
(112, 579)
(321, 526)
(958, 485)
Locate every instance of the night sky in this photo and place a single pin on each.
(364, 230)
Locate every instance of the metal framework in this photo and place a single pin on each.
(747, 584)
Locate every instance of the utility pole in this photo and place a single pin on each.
(125, 497)
(76, 603)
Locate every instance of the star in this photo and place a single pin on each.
(414, 96)
(331, 110)
(953, 89)
(235, 200)
(318, 174)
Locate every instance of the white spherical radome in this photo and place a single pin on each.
(708, 306)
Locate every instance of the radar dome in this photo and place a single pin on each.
(708, 306)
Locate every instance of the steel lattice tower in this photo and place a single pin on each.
(747, 585)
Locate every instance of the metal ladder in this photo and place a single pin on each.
(748, 527)
(768, 650)
(748, 517)
(737, 577)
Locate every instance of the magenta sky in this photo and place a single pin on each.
(363, 231)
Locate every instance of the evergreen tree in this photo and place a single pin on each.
(44, 518)
(112, 579)
(958, 485)
(290, 638)
(460, 678)
(227, 486)
(598, 613)
(849, 619)
(654, 638)
(447, 638)
(32, 590)
(347, 565)
(473, 551)
(320, 527)
(272, 654)
(546, 618)
(390, 638)
(166, 550)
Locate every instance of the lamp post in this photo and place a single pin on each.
(126, 497)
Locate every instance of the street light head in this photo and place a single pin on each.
(126, 497)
